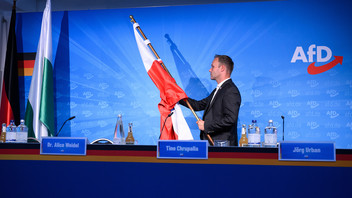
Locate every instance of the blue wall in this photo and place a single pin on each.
(99, 73)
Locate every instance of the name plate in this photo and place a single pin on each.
(182, 149)
(63, 146)
(307, 151)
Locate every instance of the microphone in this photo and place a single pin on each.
(73, 117)
(170, 114)
(283, 128)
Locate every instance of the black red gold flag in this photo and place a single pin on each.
(10, 105)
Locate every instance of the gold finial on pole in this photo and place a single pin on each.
(132, 19)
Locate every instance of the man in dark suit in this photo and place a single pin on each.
(221, 106)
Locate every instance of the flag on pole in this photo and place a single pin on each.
(40, 105)
(175, 128)
(10, 105)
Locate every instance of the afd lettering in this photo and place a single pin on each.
(313, 83)
(274, 103)
(332, 114)
(294, 113)
(313, 125)
(322, 53)
(293, 134)
(313, 104)
(256, 113)
(300, 55)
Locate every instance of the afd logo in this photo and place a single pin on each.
(322, 53)
(275, 104)
(88, 94)
(332, 114)
(294, 113)
(256, 113)
(349, 104)
(313, 83)
(102, 123)
(313, 104)
(293, 134)
(333, 135)
(349, 125)
(87, 113)
(312, 125)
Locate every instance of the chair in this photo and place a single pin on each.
(102, 141)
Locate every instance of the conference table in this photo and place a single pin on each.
(135, 171)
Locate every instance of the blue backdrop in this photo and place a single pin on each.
(99, 73)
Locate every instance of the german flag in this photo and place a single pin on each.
(25, 63)
(10, 105)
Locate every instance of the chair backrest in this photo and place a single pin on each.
(101, 141)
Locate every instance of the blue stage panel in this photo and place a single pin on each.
(96, 179)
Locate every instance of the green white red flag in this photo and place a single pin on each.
(40, 105)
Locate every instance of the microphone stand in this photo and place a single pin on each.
(64, 124)
(283, 128)
(165, 123)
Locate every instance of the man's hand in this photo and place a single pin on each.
(200, 125)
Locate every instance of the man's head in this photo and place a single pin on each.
(221, 68)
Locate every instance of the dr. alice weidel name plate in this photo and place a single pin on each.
(307, 151)
(182, 149)
(63, 146)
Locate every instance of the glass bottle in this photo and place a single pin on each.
(130, 138)
(119, 137)
(253, 134)
(270, 135)
(11, 132)
(22, 133)
(244, 140)
(3, 133)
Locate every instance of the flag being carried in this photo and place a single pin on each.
(175, 128)
(40, 106)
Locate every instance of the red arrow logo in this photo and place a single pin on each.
(312, 69)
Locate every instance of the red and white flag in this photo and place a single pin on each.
(175, 128)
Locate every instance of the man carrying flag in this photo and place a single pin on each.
(175, 128)
(40, 106)
(10, 105)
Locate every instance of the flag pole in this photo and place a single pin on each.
(150, 45)
(164, 67)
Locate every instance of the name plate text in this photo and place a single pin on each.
(63, 146)
(182, 149)
(307, 151)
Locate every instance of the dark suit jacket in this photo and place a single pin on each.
(221, 115)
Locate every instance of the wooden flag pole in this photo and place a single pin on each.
(162, 64)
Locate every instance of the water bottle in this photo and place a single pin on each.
(22, 133)
(3, 133)
(270, 135)
(11, 132)
(119, 134)
(253, 134)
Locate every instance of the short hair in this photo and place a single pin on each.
(225, 60)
